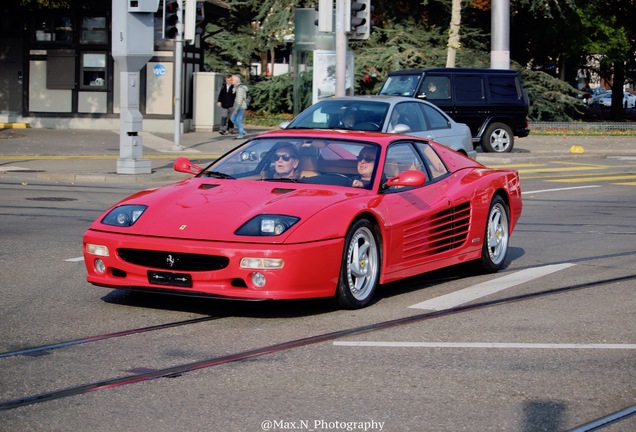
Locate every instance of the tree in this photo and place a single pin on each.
(609, 33)
(453, 33)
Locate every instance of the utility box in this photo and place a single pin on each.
(143, 5)
(133, 44)
(206, 114)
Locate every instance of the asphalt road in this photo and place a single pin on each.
(548, 344)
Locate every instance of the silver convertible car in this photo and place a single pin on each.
(390, 114)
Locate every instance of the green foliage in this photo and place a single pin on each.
(276, 94)
(550, 99)
(414, 34)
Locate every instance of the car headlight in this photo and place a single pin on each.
(124, 216)
(267, 225)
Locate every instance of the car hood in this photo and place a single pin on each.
(211, 209)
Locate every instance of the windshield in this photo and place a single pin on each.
(294, 160)
(343, 114)
(400, 85)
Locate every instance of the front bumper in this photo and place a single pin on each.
(310, 270)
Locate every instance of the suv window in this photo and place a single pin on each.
(400, 85)
(436, 87)
(469, 88)
(503, 89)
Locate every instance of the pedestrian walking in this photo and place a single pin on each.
(225, 101)
(240, 104)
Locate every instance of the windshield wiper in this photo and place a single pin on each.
(283, 180)
(217, 174)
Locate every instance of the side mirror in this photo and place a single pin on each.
(408, 179)
(184, 165)
(401, 128)
(283, 125)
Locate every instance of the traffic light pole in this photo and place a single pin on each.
(178, 73)
(341, 46)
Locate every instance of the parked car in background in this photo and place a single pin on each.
(492, 102)
(593, 93)
(629, 100)
(289, 215)
(389, 114)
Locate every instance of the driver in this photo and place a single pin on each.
(366, 163)
(286, 162)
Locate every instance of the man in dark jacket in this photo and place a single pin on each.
(225, 101)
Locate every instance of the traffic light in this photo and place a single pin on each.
(325, 15)
(194, 16)
(359, 24)
(171, 19)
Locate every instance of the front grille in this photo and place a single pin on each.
(173, 260)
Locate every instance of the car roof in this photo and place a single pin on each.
(376, 137)
(456, 71)
(390, 99)
(366, 98)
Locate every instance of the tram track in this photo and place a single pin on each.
(264, 350)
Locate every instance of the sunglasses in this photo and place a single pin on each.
(286, 157)
(367, 159)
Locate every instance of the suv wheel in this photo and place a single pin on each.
(498, 138)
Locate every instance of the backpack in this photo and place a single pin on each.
(248, 98)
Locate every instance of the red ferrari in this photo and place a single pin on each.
(303, 214)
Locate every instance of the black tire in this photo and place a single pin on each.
(360, 268)
(498, 138)
(496, 237)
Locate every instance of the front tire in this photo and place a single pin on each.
(496, 237)
(498, 138)
(360, 268)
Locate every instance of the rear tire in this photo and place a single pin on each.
(496, 237)
(498, 138)
(360, 268)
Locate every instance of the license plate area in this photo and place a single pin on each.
(170, 279)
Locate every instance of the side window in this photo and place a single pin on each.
(469, 88)
(434, 164)
(503, 89)
(434, 118)
(399, 158)
(408, 114)
(436, 87)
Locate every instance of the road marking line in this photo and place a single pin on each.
(594, 179)
(483, 345)
(564, 169)
(466, 295)
(559, 189)
(75, 259)
(8, 168)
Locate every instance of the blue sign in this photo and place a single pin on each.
(159, 70)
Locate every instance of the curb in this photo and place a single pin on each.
(14, 125)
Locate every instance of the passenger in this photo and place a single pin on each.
(348, 119)
(286, 162)
(366, 163)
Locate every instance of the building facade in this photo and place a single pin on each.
(57, 71)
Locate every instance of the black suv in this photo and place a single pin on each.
(492, 102)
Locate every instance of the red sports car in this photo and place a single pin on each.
(302, 214)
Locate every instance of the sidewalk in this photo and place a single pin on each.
(91, 155)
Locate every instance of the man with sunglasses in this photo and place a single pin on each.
(366, 163)
(286, 163)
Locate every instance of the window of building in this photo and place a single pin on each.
(93, 71)
(54, 29)
(94, 30)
